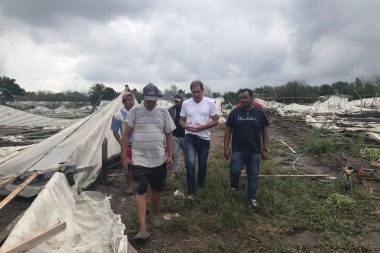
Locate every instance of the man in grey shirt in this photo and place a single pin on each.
(152, 126)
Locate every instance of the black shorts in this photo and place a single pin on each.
(155, 177)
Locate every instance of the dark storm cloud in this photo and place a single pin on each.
(70, 44)
(331, 39)
(52, 13)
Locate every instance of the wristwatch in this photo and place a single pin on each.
(265, 149)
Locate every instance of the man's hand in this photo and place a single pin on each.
(189, 127)
(264, 154)
(126, 163)
(169, 163)
(198, 127)
(227, 153)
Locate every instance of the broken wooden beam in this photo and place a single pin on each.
(18, 190)
(36, 239)
(116, 175)
(7, 181)
(294, 152)
(299, 175)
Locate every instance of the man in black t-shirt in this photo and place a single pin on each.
(248, 126)
(178, 133)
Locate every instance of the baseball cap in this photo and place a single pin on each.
(177, 97)
(150, 92)
(126, 95)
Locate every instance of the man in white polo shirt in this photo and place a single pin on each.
(197, 116)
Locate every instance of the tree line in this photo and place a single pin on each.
(300, 91)
(297, 91)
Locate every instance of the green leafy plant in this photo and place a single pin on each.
(371, 153)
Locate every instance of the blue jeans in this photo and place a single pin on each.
(195, 146)
(178, 143)
(252, 164)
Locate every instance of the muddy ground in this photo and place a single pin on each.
(288, 131)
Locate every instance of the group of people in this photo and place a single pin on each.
(159, 135)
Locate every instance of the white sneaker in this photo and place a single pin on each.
(142, 235)
(254, 203)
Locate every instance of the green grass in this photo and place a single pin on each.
(319, 141)
(288, 206)
(317, 144)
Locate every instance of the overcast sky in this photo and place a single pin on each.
(59, 45)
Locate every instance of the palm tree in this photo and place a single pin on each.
(95, 92)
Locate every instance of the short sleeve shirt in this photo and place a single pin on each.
(246, 129)
(200, 113)
(118, 122)
(149, 134)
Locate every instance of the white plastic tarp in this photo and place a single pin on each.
(13, 117)
(91, 226)
(331, 106)
(80, 145)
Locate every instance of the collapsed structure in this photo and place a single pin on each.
(337, 114)
(77, 149)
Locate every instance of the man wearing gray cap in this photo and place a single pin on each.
(152, 126)
(178, 133)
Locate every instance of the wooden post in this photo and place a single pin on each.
(104, 161)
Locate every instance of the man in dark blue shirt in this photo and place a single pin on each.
(248, 127)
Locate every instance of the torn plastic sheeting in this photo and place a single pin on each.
(79, 144)
(91, 224)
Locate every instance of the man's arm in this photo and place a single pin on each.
(227, 139)
(117, 136)
(183, 124)
(212, 123)
(116, 127)
(265, 137)
(124, 145)
(169, 145)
